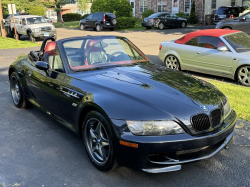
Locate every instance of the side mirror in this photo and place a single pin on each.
(42, 65)
(243, 19)
(222, 49)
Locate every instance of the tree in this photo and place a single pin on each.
(83, 5)
(192, 17)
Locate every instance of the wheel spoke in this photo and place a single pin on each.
(244, 79)
(92, 134)
(100, 151)
(98, 129)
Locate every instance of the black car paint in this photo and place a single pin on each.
(142, 91)
(167, 21)
(226, 12)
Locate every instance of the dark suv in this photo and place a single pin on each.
(227, 12)
(99, 21)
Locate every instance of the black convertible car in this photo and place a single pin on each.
(127, 110)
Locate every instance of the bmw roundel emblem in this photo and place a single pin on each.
(204, 108)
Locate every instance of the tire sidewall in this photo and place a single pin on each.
(82, 27)
(111, 163)
(21, 102)
(238, 77)
(98, 26)
(182, 24)
(160, 27)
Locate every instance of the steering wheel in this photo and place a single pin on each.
(41, 52)
(114, 54)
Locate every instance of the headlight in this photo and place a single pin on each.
(226, 108)
(53, 28)
(154, 128)
(36, 30)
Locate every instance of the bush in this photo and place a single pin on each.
(125, 22)
(192, 17)
(121, 8)
(84, 16)
(147, 13)
(71, 17)
(35, 10)
(182, 15)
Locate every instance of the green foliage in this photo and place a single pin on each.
(147, 13)
(35, 10)
(182, 15)
(126, 22)
(121, 8)
(83, 5)
(71, 17)
(192, 17)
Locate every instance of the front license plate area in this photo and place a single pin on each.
(46, 34)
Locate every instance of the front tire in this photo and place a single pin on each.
(98, 28)
(31, 38)
(161, 26)
(82, 27)
(172, 62)
(243, 75)
(98, 141)
(16, 91)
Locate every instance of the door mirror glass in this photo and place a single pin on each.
(222, 49)
(42, 65)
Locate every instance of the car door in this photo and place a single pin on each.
(23, 26)
(44, 86)
(208, 59)
(94, 20)
(243, 24)
(88, 20)
(18, 25)
(174, 21)
(166, 19)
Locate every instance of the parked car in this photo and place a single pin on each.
(242, 23)
(35, 27)
(99, 21)
(162, 20)
(9, 19)
(49, 20)
(218, 52)
(127, 110)
(227, 12)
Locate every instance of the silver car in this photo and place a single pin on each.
(218, 52)
(34, 27)
(241, 23)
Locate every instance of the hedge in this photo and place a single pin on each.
(71, 17)
(121, 8)
(126, 22)
(147, 13)
(35, 10)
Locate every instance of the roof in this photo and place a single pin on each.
(207, 32)
(26, 16)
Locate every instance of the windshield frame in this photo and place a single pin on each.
(98, 66)
(26, 20)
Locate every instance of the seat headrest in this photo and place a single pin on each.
(92, 42)
(50, 48)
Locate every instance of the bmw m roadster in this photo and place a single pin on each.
(127, 110)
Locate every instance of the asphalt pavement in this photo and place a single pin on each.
(36, 151)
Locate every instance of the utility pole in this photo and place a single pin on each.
(1, 21)
(14, 22)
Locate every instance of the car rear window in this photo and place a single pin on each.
(223, 10)
(155, 15)
(109, 15)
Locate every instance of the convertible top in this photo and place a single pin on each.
(207, 32)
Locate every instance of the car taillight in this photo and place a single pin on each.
(50, 21)
(104, 18)
(160, 47)
(152, 19)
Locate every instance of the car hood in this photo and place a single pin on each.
(40, 25)
(158, 86)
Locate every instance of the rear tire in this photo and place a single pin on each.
(228, 28)
(98, 141)
(183, 24)
(98, 28)
(17, 93)
(243, 75)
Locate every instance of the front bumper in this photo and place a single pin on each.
(43, 34)
(147, 24)
(167, 153)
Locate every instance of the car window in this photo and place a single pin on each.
(109, 15)
(210, 42)
(90, 16)
(58, 64)
(23, 21)
(193, 41)
(173, 15)
(101, 51)
(95, 17)
(155, 15)
(35, 20)
(247, 16)
(240, 41)
(164, 15)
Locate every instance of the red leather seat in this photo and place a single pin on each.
(49, 52)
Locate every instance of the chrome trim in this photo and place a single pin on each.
(201, 158)
(161, 170)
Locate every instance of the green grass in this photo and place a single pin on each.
(70, 24)
(238, 97)
(10, 43)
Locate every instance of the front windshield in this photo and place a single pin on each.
(102, 51)
(240, 41)
(35, 20)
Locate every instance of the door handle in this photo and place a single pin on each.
(198, 53)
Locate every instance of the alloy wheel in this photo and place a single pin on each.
(97, 141)
(82, 27)
(171, 62)
(161, 26)
(244, 75)
(15, 91)
(183, 24)
(98, 28)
